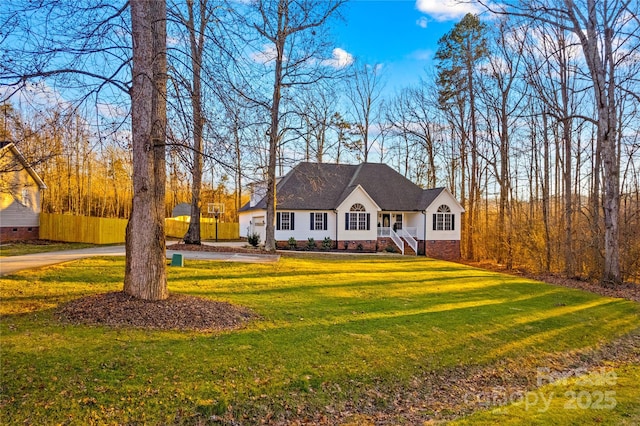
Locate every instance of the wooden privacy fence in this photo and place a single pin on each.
(176, 227)
(98, 230)
(81, 229)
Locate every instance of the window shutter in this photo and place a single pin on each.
(434, 221)
(311, 221)
(324, 222)
(368, 221)
(292, 221)
(277, 221)
(346, 221)
(453, 222)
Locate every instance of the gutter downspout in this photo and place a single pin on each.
(425, 232)
(336, 213)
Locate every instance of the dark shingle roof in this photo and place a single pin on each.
(322, 186)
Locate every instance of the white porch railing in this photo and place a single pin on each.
(388, 232)
(411, 231)
(396, 239)
(384, 231)
(404, 233)
(407, 234)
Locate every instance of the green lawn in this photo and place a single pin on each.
(341, 337)
(21, 248)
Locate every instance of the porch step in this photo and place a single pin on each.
(408, 251)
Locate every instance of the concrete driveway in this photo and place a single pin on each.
(12, 264)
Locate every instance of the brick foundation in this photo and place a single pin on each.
(445, 250)
(367, 246)
(302, 245)
(387, 244)
(19, 233)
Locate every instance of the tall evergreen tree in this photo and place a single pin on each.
(459, 52)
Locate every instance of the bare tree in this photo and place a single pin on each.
(365, 87)
(411, 115)
(503, 102)
(608, 37)
(89, 47)
(291, 30)
(315, 109)
(198, 16)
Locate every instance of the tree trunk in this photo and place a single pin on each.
(473, 184)
(145, 271)
(270, 243)
(545, 195)
(193, 235)
(602, 72)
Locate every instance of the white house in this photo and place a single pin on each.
(20, 196)
(367, 207)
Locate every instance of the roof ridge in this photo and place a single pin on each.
(355, 175)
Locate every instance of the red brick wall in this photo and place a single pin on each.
(384, 242)
(301, 245)
(446, 250)
(18, 233)
(351, 245)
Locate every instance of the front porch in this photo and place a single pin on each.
(404, 238)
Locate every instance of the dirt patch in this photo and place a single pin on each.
(178, 312)
(443, 395)
(627, 291)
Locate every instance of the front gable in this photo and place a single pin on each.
(20, 195)
(364, 210)
(444, 217)
(445, 197)
(358, 195)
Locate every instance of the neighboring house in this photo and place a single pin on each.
(20, 196)
(368, 207)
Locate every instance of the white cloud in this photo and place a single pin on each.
(422, 55)
(422, 22)
(36, 96)
(446, 10)
(111, 111)
(340, 58)
(266, 55)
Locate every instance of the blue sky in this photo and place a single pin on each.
(402, 35)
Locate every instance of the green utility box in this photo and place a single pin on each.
(177, 260)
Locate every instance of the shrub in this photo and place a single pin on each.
(346, 245)
(360, 247)
(327, 243)
(293, 244)
(311, 244)
(390, 249)
(254, 239)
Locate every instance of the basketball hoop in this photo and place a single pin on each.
(215, 209)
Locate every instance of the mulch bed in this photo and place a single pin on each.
(178, 312)
(215, 249)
